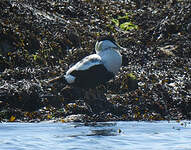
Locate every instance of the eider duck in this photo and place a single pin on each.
(97, 68)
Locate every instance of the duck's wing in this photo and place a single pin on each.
(88, 73)
(86, 63)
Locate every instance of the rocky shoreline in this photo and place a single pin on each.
(40, 39)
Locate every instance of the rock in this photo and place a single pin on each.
(5, 47)
(132, 82)
(76, 118)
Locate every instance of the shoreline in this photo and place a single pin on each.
(39, 40)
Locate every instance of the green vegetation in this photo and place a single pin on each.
(124, 22)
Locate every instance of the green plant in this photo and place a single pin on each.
(124, 22)
(128, 26)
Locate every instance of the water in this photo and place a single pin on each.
(101, 136)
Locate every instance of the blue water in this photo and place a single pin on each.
(101, 136)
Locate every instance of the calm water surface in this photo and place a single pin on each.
(100, 136)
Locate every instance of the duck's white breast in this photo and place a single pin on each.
(111, 59)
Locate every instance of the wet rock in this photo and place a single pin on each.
(71, 93)
(5, 47)
(76, 118)
(79, 107)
